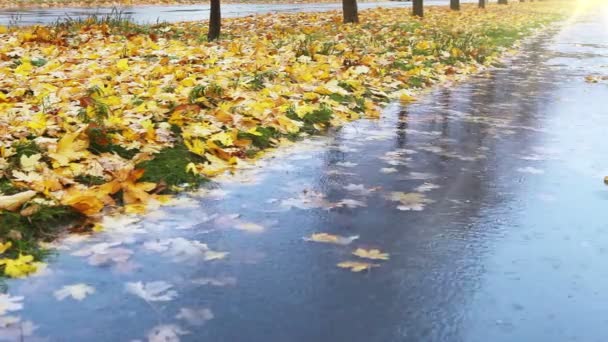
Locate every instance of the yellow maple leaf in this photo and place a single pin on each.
(20, 267)
(330, 238)
(69, 149)
(374, 254)
(122, 64)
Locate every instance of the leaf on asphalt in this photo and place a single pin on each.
(155, 291)
(219, 282)
(357, 266)
(373, 254)
(531, 170)
(250, 227)
(214, 255)
(359, 189)
(76, 291)
(426, 187)
(388, 170)
(330, 238)
(180, 249)
(166, 333)
(307, 200)
(105, 253)
(349, 203)
(13, 329)
(196, 317)
(410, 201)
(9, 303)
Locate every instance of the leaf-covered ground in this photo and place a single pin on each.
(106, 116)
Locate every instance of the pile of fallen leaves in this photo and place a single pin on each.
(107, 114)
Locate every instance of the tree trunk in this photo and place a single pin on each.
(418, 8)
(215, 21)
(455, 5)
(482, 3)
(502, 2)
(350, 12)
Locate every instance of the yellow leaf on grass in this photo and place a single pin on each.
(13, 202)
(123, 64)
(374, 254)
(5, 246)
(69, 149)
(357, 266)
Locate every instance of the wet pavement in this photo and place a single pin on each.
(153, 14)
(504, 238)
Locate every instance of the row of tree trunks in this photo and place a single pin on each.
(349, 10)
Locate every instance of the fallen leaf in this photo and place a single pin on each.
(196, 317)
(155, 291)
(330, 238)
(76, 291)
(250, 227)
(9, 303)
(374, 254)
(14, 202)
(166, 333)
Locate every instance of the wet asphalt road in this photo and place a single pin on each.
(512, 247)
(153, 14)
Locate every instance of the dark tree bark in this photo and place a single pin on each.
(418, 8)
(455, 5)
(502, 2)
(215, 21)
(350, 11)
(482, 3)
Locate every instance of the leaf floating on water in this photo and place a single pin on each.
(330, 238)
(373, 254)
(357, 266)
(76, 291)
(155, 291)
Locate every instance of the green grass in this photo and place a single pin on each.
(169, 167)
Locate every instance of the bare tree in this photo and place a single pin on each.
(215, 21)
(418, 8)
(350, 11)
(482, 3)
(455, 5)
(502, 2)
